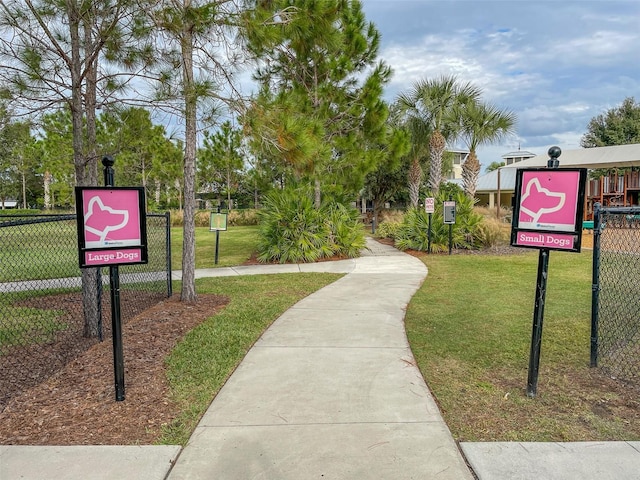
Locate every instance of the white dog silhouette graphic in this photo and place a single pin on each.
(101, 219)
(540, 200)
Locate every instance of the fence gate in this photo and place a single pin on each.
(615, 310)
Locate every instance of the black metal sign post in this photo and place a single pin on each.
(548, 216)
(429, 208)
(114, 287)
(429, 235)
(538, 308)
(538, 318)
(112, 232)
(217, 222)
(449, 214)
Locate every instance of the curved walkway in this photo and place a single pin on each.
(330, 391)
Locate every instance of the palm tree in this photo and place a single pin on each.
(435, 103)
(481, 123)
(419, 138)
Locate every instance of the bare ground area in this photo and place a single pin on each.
(77, 405)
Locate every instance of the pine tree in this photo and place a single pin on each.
(56, 54)
(320, 105)
(198, 56)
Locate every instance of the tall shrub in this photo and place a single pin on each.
(293, 230)
(413, 232)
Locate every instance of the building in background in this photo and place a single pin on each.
(517, 156)
(459, 157)
(614, 187)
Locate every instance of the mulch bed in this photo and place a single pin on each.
(77, 406)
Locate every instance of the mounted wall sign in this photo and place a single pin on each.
(112, 226)
(548, 208)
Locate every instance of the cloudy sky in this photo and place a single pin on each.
(556, 64)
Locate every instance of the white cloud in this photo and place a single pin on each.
(555, 64)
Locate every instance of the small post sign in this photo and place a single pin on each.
(547, 215)
(429, 205)
(449, 212)
(548, 208)
(218, 222)
(112, 227)
(429, 208)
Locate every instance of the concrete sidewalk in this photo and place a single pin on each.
(329, 391)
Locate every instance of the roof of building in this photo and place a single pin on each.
(489, 181)
(519, 154)
(617, 156)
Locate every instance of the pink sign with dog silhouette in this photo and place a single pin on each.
(548, 208)
(548, 200)
(110, 223)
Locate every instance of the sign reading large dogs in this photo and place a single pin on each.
(548, 208)
(112, 227)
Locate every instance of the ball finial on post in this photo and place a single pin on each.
(554, 152)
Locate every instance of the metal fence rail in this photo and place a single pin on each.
(42, 313)
(615, 335)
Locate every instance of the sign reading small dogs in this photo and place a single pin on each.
(548, 208)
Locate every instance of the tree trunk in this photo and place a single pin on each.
(255, 194)
(437, 144)
(415, 179)
(157, 194)
(318, 195)
(188, 293)
(470, 173)
(228, 188)
(47, 190)
(24, 190)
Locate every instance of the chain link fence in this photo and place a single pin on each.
(51, 311)
(615, 335)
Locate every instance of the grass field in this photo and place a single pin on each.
(236, 245)
(469, 327)
(27, 252)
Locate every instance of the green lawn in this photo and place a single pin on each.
(236, 245)
(27, 253)
(469, 327)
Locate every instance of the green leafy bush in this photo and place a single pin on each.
(388, 229)
(293, 230)
(22, 211)
(413, 232)
(347, 238)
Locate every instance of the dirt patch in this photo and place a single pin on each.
(27, 364)
(77, 405)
